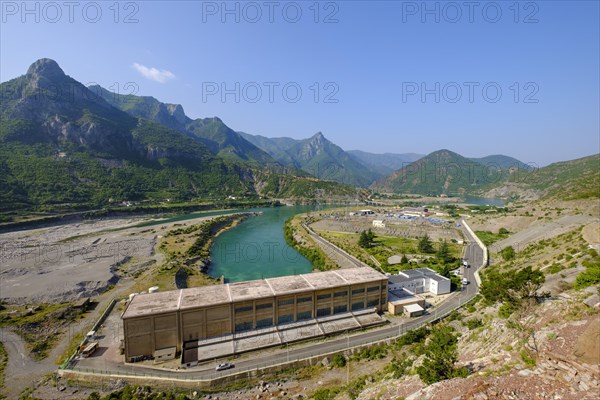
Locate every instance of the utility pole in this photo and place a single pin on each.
(348, 362)
(348, 339)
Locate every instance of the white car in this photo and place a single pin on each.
(466, 264)
(224, 366)
(465, 281)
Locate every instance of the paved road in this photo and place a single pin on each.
(331, 248)
(473, 254)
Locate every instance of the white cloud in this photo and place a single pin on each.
(154, 74)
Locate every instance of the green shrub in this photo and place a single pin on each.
(554, 268)
(325, 394)
(590, 276)
(441, 354)
(527, 358)
(398, 368)
(508, 253)
(356, 386)
(505, 310)
(371, 353)
(474, 323)
(339, 361)
(415, 336)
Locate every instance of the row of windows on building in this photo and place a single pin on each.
(304, 315)
(306, 299)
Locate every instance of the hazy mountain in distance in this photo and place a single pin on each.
(386, 163)
(502, 162)
(275, 147)
(318, 156)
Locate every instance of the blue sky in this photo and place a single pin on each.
(372, 59)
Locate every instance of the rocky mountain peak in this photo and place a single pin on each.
(47, 68)
(318, 137)
(176, 111)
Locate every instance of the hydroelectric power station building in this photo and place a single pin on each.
(162, 324)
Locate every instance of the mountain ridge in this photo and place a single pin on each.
(440, 172)
(212, 132)
(79, 151)
(318, 156)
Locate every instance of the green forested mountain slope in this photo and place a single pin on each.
(63, 147)
(217, 136)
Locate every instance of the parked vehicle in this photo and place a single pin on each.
(224, 366)
(89, 349)
(466, 264)
(465, 281)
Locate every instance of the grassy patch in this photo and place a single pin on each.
(40, 326)
(3, 364)
(489, 238)
(297, 237)
(528, 359)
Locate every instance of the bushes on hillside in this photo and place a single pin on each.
(512, 288)
(441, 355)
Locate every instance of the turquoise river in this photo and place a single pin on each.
(257, 249)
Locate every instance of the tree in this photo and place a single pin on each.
(363, 240)
(513, 289)
(425, 245)
(527, 282)
(441, 354)
(443, 252)
(404, 259)
(370, 236)
(366, 238)
(494, 286)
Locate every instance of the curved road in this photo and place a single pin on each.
(473, 254)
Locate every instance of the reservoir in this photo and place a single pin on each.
(256, 248)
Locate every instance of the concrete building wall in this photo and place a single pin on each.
(144, 335)
(397, 307)
(443, 287)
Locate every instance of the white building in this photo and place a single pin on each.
(419, 280)
(415, 211)
(377, 223)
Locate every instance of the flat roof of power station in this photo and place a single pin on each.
(203, 296)
(411, 274)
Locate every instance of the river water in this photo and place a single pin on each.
(484, 201)
(257, 249)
